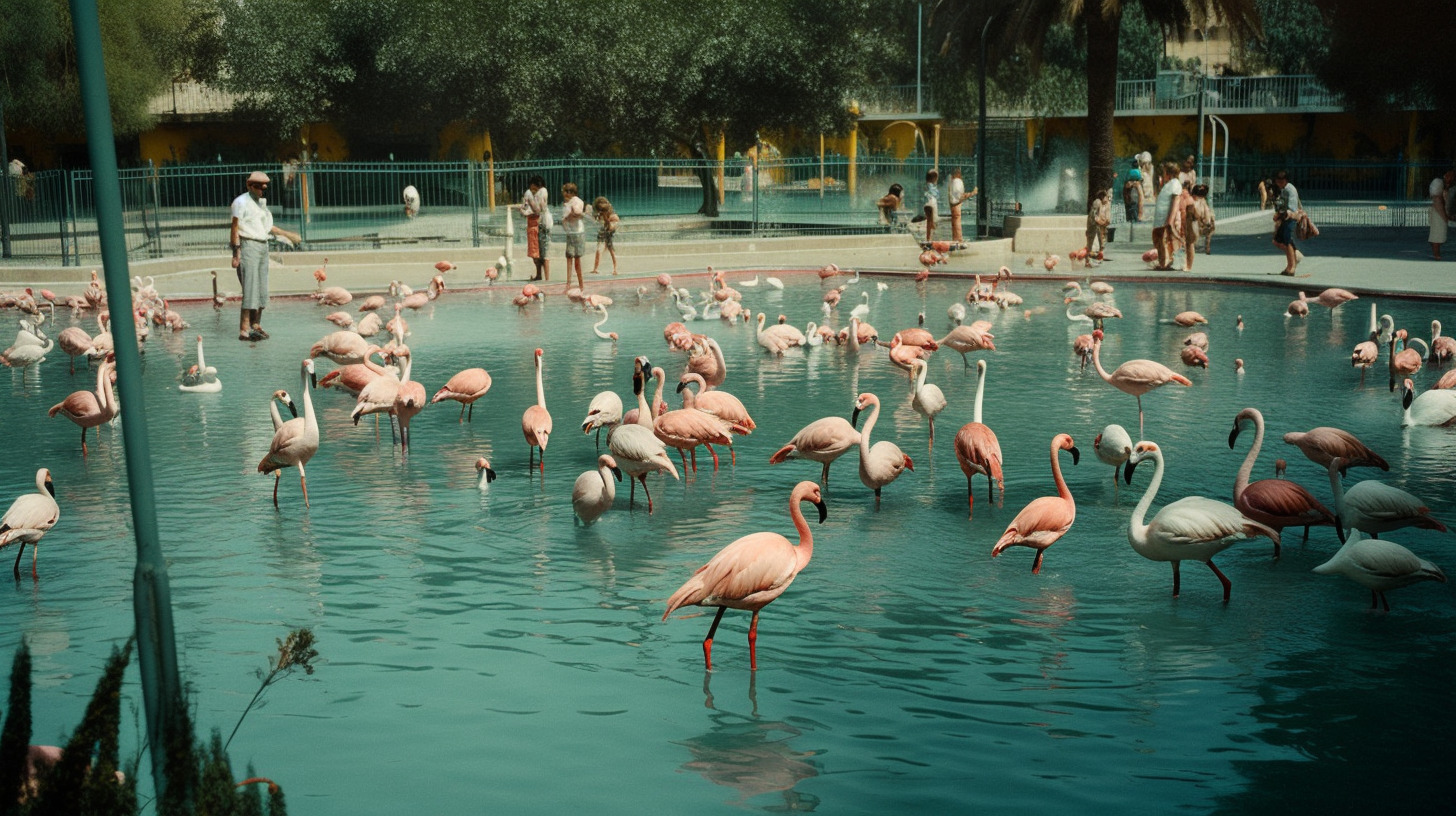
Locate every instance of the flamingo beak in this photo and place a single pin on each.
(617, 472)
(1233, 435)
(909, 464)
(294, 410)
(1340, 529)
(823, 510)
(50, 487)
(854, 418)
(1097, 443)
(1076, 454)
(681, 386)
(1127, 471)
(1409, 398)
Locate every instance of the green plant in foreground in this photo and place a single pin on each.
(295, 651)
(86, 779)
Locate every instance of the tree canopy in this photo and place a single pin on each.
(554, 76)
(39, 86)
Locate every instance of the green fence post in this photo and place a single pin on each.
(473, 171)
(156, 645)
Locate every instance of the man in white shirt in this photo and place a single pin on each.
(251, 231)
(573, 224)
(957, 195)
(1163, 215)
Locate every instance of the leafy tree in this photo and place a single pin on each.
(1392, 56)
(1027, 24)
(39, 86)
(1295, 39)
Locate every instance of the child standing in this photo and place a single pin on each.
(608, 220)
(573, 223)
(932, 203)
(1099, 215)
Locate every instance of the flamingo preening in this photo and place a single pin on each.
(1045, 520)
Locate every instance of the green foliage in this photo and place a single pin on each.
(1295, 39)
(88, 777)
(38, 82)
(15, 739)
(553, 76)
(1391, 55)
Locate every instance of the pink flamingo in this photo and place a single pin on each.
(295, 441)
(409, 399)
(465, 388)
(90, 409)
(1045, 520)
(343, 347)
(1278, 503)
(1442, 347)
(75, 342)
(1323, 444)
(966, 339)
(371, 303)
(445, 266)
(823, 440)
(1331, 298)
(1194, 357)
(1365, 355)
(1189, 319)
(536, 421)
(922, 275)
(1082, 345)
(1136, 377)
(321, 274)
(978, 450)
(343, 320)
(664, 281)
(705, 359)
(1297, 308)
(351, 379)
(828, 271)
(333, 296)
(720, 404)
(751, 572)
(1404, 362)
(415, 300)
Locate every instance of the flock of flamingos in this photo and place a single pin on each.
(754, 570)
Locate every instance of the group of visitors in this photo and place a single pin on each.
(929, 212)
(535, 206)
(1182, 213)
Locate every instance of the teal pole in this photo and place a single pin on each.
(152, 597)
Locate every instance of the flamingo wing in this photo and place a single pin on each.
(1382, 503)
(1285, 500)
(746, 574)
(1039, 524)
(1198, 520)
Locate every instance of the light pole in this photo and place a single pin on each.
(982, 200)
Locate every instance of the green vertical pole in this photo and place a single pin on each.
(472, 175)
(156, 646)
(5, 195)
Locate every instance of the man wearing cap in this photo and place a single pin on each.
(252, 230)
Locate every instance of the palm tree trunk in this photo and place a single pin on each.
(1104, 23)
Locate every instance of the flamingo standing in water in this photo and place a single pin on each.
(882, 463)
(465, 388)
(720, 404)
(928, 400)
(351, 379)
(486, 473)
(1045, 520)
(604, 411)
(295, 442)
(751, 572)
(1112, 447)
(1375, 507)
(593, 492)
(637, 450)
(1136, 377)
(29, 518)
(75, 342)
(1331, 298)
(966, 339)
(1379, 566)
(1278, 503)
(1436, 407)
(977, 449)
(1190, 529)
(408, 400)
(822, 440)
(536, 421)
(91, 409)
(1322, 444)
(1405, 362)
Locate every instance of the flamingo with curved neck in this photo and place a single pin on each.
(751, 572)
(1045, 520)
(296, 441)
(1190, 529)
(1278, 503)
(880, 463)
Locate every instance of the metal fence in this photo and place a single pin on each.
(182, 210)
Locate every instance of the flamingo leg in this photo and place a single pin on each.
(543, 459)
(643, 477)
(22, 552)
(684, 458)
(470, 417)
(1306, 532)
(715, 457)
(1373, 594)
(1140, 415)
(84, 452)
(632, 491)
(462, 414)
(931, 448)
(277, 475)
(708, 641)
(1176, 579)
(1036, 565)
(970, 498)
(303, 483)
(1222, 579)
(753, 643)
(35, 555)
(825, 475)
(733, 456)
(1384, 604)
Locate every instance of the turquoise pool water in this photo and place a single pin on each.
(480, 652)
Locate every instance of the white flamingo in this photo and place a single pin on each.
(635, 447)
(295, 442)
(1379, 566)
(1375, 507)
(880, 463)
(604, 411)
(929, 400)
(200, 378)
(593, 493)
(1193, 528)
(29, 518)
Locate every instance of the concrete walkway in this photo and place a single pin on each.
(1379, 261)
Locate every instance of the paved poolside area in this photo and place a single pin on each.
(1366, 260)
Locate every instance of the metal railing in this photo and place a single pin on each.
(182, 210)
(1170, 91)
